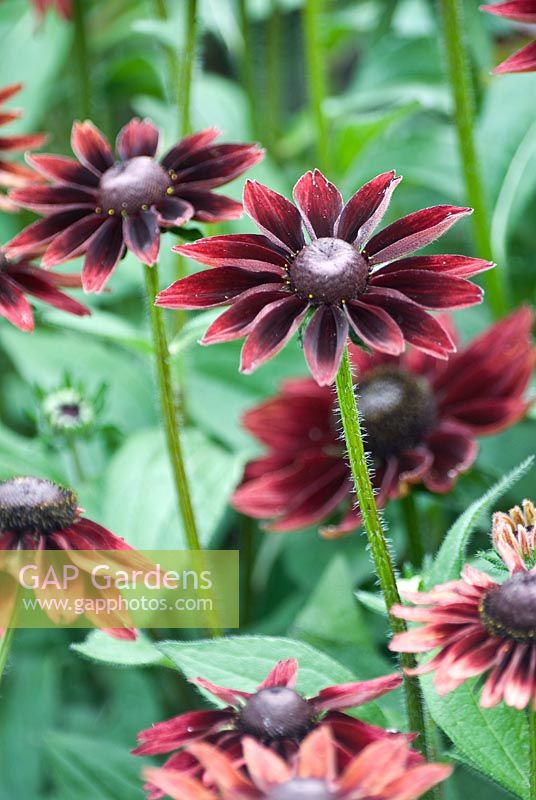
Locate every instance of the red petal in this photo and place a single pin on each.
(432, 290)
(209, 206)
(364, 211)
(14, 306)
(9, 91)
(517, 10)
(63, 170)
(178, 731)
(102, 256)
(457, 266)
(375, 326)
(324, 341)
(211, 287)
(320, 203)
(454, 451)
(44, 199)
(174, 212)
(284, 673)
(413, 232)
(276, 216)
(39, 284)
(137, 138)
(73, 241)
(273, 328)
(142, 236)
(250, 251)
(91, 147)
(182, 151)
(29, 140)
(42, 231)
(348, 695)
(237, 320)
(264, 766)
(522, 61)
(216, 165)
(230, 697)
(176, 785)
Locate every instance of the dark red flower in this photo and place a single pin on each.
(63, 7)
(385, 770)
(519, 11)
(14, 174)
(19, 277)
(480, 626)
(273, 280)
(422, 417)
(101, 205)
(36, 514)
(275, 714)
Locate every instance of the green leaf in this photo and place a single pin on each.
(493, 741)
(242, 662)
(451, 556)
(140, 503)
(105, 649)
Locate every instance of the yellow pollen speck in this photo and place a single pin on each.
(173, 176)
(98, 210)
(111, 212)
(310, 296)
(144, 207)
(170, 190)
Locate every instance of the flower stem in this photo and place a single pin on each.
(76, 461)
(457, 57)
(413, 529)
(169, 410)
(532, 745)
(248, 73)
(315, 60)
(273, 71)
(379, 547)
(187, 68)
(5, 647)
(82, 58)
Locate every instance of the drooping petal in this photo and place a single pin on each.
(454, 451)
(73, 240)
(250, 251)
(177, 785)
(180, 153)
(348, 695)
(364, 211)
(209, 206)
(63, 170)
(213, 166)
(91, 147)
(320, 203)
(13, 305)
(522, 61)
(45, 199)
(212, 287)
(42, 231)
(413, 232)
(273, 328)
(102, 256)
(137, 138)
(39, 284)
(142, 236)
(178, 731)
(230, 697)
(274, 215)
(324, 341)
(430, 289)
(237, 320)
(174, 212)
(375, 327)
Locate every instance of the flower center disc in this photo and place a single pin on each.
(398, 410)
(131, 185)
(276, 713)
(509, 610)
(34, 505)
(301, 789)
(328, 271)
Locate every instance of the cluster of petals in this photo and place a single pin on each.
(99, 205)
(304, 479)
(523, 11)
(514, 535)
(343, 276)
(385, 770)
(12, 174)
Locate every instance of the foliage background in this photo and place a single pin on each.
(66, 724)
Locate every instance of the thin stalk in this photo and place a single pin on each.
(532, 744)
(273, 73)
(413, 529)
(315, 60)
(78, 469)
(457, 57)
(379, 547)
(173, 60)
(5, 647)
(169, 410)
(248, 71)
(247, 530)
(187, 69)
(82, 58)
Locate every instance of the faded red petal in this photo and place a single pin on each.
(13, 305)
(212, 287)
(522, 61)
(44, 199)
(457, 266)
(178, 731)
(230, 697)
(63, 170)
(348, 695)
(137, 138)
(364, 211)
(91, 147)
(431, 290)
(42, 231)
(265, 767)
(211, 207)
(39, 284)
(249, 251)
(102, 256)
(142, 236)
(284, 673)
(174, 212)
(276, 216)
(26, 140)
(324, 341)
(273, 328)
(213, 166)
(454, 451)
(73, 240)
(181, 152)
(320, 203)
(413, 232)
(177, 785)
(9, 91)
(375, 326)
(517, 10)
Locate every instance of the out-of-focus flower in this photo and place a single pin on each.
(514, 536)
(67, 411)
(518, 11)
(19, 277)
(421, 416)
(98, 205)
(480, 626)
(12, 174)
(385, 770)
(276, 715)
(345, 278)
(63, 7)
(36, 514)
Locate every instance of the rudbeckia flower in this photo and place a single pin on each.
(12, 174)
(343, 276)
(422, 418)
(518, 11)
(100, 205)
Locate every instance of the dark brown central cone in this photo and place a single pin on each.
(34, 505)
(70, 410)
(509, 610)
(301, 789)
(398, 410)
(329, 271)
(133, 186)
(276, 713)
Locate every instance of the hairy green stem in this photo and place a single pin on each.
(379, 547)
(78, 469)
(413, 529)
(532, 744)
(315, 60)
(82, 58)
(248, 71)
(457, 58)
(169, 410)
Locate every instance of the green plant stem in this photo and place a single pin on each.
(169, 410)
(247, 530)
(457, 58)
(187, 68)
(273, 72)
(413, 529)
(532, 744)
(379, 547)
(315, 60)
(82, 58)
(77, 461)
(5, 648)
(248, 72)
